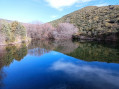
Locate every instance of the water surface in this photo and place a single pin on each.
(59, 65)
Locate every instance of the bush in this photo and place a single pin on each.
(65, 31)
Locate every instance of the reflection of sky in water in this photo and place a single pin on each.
(95, 75)
(55, 70)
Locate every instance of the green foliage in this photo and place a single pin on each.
(12, 31)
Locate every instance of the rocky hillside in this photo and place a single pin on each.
(99, 23)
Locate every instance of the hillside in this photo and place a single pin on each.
(94, 22)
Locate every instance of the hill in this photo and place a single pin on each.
(99, 23)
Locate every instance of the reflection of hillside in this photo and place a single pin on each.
(96, 52)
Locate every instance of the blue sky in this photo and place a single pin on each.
(45, 10)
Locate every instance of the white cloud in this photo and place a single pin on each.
(87, 72)
(64, 3)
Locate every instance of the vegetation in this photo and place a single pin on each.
(64, 31)
(47, 31)
(94, 22)
(12, 32)
(39, 31)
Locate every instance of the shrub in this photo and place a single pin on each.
(65, 31)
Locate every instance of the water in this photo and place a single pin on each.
(60, 65)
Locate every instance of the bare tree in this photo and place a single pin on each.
(65, 31)
(47, 31)
(40, 31)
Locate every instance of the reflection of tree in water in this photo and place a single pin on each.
(12, 52)
(20, 53)
(46, 44)
(8, 54)
(96, 52)
(65, 46)
(38, 51)
(39, 47)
